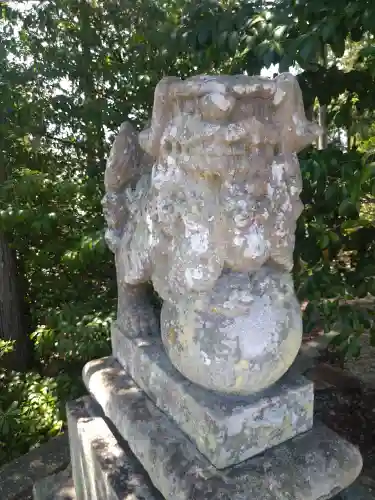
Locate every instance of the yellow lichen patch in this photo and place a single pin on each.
(172, 335)
(211, 442)
(239, 382)
(185, 337)
(242, 364)
(209, 176)
(287, 422)
(309, 407)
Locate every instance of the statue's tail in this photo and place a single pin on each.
(125, 165)
(131, 157)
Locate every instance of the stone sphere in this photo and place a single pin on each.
(240, 337)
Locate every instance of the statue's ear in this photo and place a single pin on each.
(297, 131)
(123, 160)
(149, 139)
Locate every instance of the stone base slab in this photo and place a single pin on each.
(314, 466)
(227, 430)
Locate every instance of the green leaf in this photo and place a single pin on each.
(223, 40)
(372, 337)
(356, 33)
(338, 46)
(204, 36)
(346, 207)
(270, 57)
(368, 172)
(308, 49)
(285, 63)
(328, 31)
(324, 242)
(331, 192)
(333, 237)
(351, 225)
(279, 31)
(257, 21)
(262, 48)
(362, 289)
(233, 41)
(353, 347)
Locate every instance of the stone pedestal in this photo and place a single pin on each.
(314, 466)
(226, 430)
(203, 402)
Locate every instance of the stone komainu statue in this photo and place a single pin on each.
(204, 205)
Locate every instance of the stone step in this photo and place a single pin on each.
(60, 487)
(314, 466)
(57, 486)
(103, 466)
(17, 477)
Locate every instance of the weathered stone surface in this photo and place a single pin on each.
(57, 486)
(240, 337)
(227, 430)
(225, 182)
(212, 226)
(315, 465)
(103, 466)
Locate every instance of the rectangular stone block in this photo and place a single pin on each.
(313, 466)
(103, 466)
(227, 430)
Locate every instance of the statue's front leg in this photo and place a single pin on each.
(137, 316)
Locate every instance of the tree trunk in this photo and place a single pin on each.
(310, 116)
(13, 320)
(322, 113)
(94, 124)
(348, 139)
(310, 113)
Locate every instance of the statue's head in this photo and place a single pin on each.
(226, 177)
(226, 115)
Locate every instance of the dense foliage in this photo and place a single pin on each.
(71, 71)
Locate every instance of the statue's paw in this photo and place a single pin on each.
(139, 322)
